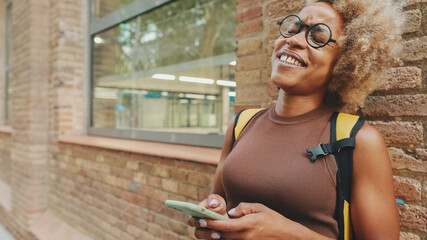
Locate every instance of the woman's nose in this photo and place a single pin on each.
(298, 41)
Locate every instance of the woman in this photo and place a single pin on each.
(329, 55)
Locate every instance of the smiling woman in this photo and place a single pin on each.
(329, 54)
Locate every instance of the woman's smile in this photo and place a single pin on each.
(290, 59)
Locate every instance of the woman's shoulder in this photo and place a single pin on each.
(369, 136)
(371, 150)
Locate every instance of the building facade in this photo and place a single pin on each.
(110, 107)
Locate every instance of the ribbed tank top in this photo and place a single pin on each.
(269, 165)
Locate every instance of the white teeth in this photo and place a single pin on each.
(290, 60)
(283, 58)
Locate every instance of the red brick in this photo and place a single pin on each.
(247, 28)
(186, 165)
(170, 235)
(415, 49)
(178, 227)
(396, 105)
(199, 179)
(281, 8)
(413, 217)
(160, 195)
(422, 154)
(412, 21)
(250, 77)
(161, 171)
(154, 181)
(248, 47)
(407, 189)
(154, 205)
(170, 185)
(206, 168)
(400, 160)
(178, 174)
(249, 14)
(244, 3)
(252, 62)
(167, 162)
(402, 78)
(408, 236)
(400, 133)
(252, 95)
(188, 190)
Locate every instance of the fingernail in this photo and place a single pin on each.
(215, 235)
(203, 223)
(213, 202)
(232, 211)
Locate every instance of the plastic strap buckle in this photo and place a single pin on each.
(317, 151)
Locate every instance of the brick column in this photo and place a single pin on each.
(29, 112)
(68, 68)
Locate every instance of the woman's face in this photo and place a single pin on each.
(311, 72)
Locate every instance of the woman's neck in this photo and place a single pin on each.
(291, 105)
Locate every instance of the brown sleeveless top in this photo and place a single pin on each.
(269, 165)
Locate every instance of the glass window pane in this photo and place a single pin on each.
(171, 69)
(102, 8)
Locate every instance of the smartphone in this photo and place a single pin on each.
(194, 210)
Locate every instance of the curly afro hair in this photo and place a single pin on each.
(370, 43)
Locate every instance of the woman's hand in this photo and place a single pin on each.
(215, 203)
(255, 221)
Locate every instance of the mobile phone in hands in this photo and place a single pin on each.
(194, 210)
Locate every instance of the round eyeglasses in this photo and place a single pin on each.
(317, 36)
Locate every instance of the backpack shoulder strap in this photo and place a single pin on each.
(242, 119)
(344, 126)
(343, 131)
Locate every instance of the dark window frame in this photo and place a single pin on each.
(96, 26)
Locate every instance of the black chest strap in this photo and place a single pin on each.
(324, 149)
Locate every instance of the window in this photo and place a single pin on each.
(8, 62)
(165, 73)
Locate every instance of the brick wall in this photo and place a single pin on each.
(2, 61)
(29, 113)
(5, 161)
(120, 195)
(398, 108)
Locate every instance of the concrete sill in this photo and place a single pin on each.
(166, 150)
(6, 129)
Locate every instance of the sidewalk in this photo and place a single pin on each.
(5, 235)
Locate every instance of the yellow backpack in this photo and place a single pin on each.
(343, 132)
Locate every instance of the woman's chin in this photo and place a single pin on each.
(284, 81)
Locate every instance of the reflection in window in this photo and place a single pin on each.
(102, 8)
(171, 69)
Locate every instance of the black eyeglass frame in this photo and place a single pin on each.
(303, 25)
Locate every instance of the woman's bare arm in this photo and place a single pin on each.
(373, 207)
